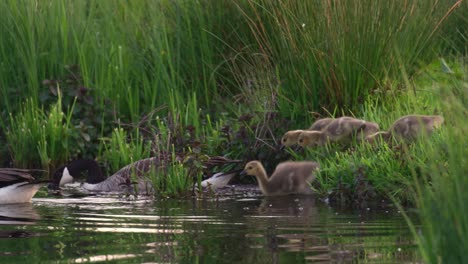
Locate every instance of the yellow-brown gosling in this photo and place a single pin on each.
(291, 137)
(408, 128)
(320, 124)
(288, 178)
(339, 130)
(369, 129)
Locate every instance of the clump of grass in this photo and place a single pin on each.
(122, 149)
(38, 135)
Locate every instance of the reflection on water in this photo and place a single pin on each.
(293, 229)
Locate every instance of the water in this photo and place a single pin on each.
(237, 229)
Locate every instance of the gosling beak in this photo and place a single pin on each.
(282, 147)
(298, 148)
(243, 173)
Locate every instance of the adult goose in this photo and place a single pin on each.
(121, 181)
(18, 185)
(131, 177)
(291, 177)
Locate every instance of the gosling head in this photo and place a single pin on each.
(290, 138)
(311, 139)
(253, 168)
(61, 177)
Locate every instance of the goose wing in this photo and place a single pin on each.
(12, 174)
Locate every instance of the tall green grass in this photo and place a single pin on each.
(441, 196)
(336, 53)
(39, 136)
(138, 54)
(122, 149)
(144, 54)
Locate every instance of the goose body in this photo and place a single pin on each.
(17, 186)
(291, 137)
(408, 128)
(122, 180)
(341, 130)
(288, 178)
(133, 176)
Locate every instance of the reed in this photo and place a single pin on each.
(122, 149)
(35, 134)
(334, 54)
(439, 195)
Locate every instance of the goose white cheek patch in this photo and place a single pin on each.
(66, 177)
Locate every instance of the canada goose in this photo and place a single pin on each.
(18, 185)
(291, 137)
(122, 179)
(118, 182)
(408, 128)
(288, 178)
(339, 130)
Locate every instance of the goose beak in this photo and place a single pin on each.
(282, 147)
(52, 186)
(243, 173)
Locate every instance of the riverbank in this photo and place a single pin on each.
(185, 81)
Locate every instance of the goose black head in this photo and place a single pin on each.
(75, 169)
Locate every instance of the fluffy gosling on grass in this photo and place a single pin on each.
(288, 178)
(408, 128)
(291, 137)
(369, 129)
(320, 124)
(339, 130)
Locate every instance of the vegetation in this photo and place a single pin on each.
(185, 80)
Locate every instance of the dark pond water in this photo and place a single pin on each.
(235, 229)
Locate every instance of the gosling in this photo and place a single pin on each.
(291, 137)
(320, 124)
(288, 178)
(408, 128)
(341, 130)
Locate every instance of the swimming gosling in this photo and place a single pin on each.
(288, 178)
(339, 130)
(408, 128)
(291, 137)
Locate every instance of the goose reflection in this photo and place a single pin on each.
(292, 224)
(292, 205)
(18, 214)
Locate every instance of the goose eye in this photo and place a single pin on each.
(300, 140)
(249, 168)
(284, 139)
